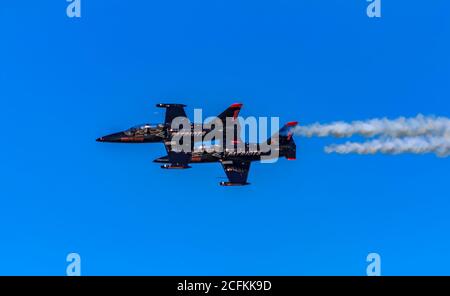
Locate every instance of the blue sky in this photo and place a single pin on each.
(64, 82)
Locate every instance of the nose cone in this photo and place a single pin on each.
(117, 137)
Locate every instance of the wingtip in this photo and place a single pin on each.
(166, 105)
(230, 184)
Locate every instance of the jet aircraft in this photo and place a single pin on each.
(235, 158)
(160, 132)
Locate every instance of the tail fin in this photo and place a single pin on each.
(284, 139)
(284, 135)
(232, 111)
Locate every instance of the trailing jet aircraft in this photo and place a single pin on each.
(157, 133)
(234, 156)
(235, 161)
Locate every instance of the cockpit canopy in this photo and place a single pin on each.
(142, 129)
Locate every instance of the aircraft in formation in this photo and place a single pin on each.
(235, 161)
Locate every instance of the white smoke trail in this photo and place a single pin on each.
(417, 145)
(400, 127)
(418, 135)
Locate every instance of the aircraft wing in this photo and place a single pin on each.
(236, 171)
(173, 111)
(177, 159)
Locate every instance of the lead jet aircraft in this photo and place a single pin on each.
(158, 133)
(235, 162)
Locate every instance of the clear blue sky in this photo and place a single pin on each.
(64, 82)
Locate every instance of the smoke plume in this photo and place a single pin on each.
(418, 135)
(417, 145)
(400, 127)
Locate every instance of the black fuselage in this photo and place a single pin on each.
(247, 152)
(152, 134)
